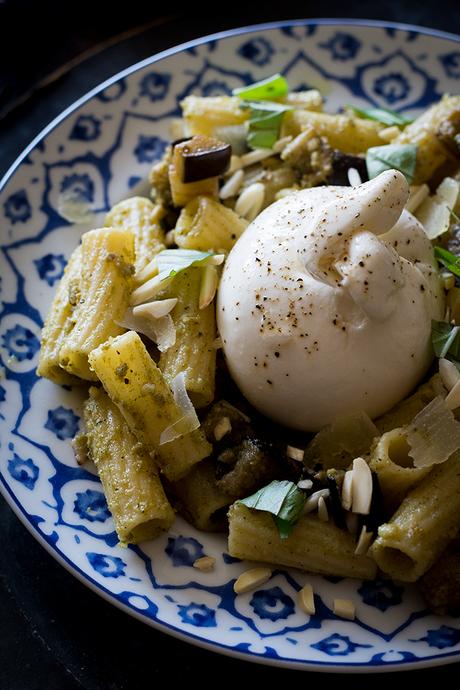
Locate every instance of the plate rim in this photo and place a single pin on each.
(13, 502)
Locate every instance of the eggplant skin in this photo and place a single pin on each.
(201, 157)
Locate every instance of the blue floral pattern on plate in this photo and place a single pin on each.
(94, 155)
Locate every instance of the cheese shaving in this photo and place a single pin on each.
(160, 330)
(189, 421)
(433, 435)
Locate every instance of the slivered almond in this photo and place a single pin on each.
(346, 490)
(354, 178)
(364, 542)
(251, 579)
(306, 600)
(344, 608)
(305, 484)
(156, 309)
(351, 521)
(311, 503)
(205, 563)
(322, 510)
(295, 453)
(222, 427)
(449, 373)
(361, 487)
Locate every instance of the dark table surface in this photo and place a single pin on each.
(54, 632)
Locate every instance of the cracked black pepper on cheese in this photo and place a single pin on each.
(326, 302)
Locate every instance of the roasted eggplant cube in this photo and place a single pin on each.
(201, 157)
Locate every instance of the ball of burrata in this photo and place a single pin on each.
(326, 302)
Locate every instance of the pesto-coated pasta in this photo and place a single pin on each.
(193, 352)
(142, 218)
(107, 257)
(59, 323)
(343, 132)
(139, 389)
(425, 522)
(391, 461)
(183, 192)
(205, 224)
(200, 500)
(128, 474)
(203, 114)
(404, 412)
(425, 133)
(313, 545)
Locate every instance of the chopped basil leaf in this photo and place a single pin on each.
(284, 527)
(267, 89)
(264, 122)
(172, 261)
(446, 340)
(388, 117)
(283, 500)
(447, 259)
(401, 157)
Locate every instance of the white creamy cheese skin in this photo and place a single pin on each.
(326, 301)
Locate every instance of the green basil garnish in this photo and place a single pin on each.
(400, 157)
(172, 261)
(384, 115)
(264, 122)
(283, 500)
(448, 260)
(446, 341)
(265, 90)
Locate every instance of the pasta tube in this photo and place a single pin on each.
(205, 224)
(60, 322)
(193, 352)
(203, 114)
(404, 412)
(141, 217)
(425, 522)
(107, 256)
(425, 132)
(131, 484)
(313, 545)
(343, 132)
(200, 500)
(391, 460)
(137, 386)
(183, 192)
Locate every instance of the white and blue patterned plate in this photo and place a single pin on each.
(98, 150)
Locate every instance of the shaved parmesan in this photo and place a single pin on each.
(189, 421)
(453, 397)
(433, 435)
(160, 330)
(435, 212)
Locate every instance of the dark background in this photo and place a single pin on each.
(55, 633)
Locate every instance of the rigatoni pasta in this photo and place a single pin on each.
(194, 352)
(425, 522)
(127, 471)
(107, 257)
(139, 389)
(391, 461)
(143, 218)
(205, 224)
(313, 545)
(60, 322)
